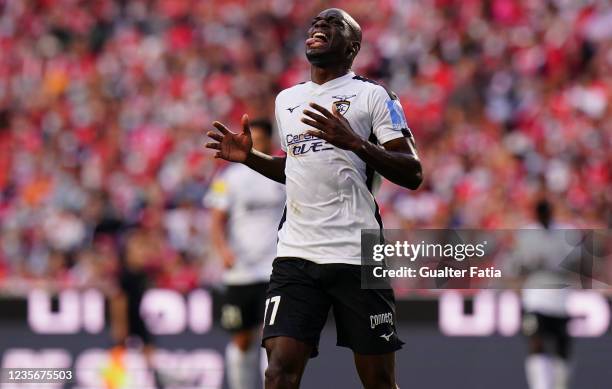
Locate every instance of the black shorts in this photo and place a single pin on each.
(137, 328)
(549, 331)
(302, 292)
(243, 306)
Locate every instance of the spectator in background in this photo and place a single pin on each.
(507, 98)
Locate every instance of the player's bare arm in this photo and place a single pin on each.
(397, 160)
(238, 147)
(119, 312)
(219, 238)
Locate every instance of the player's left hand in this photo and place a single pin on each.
(331, 127)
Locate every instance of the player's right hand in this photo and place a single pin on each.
(231, 146)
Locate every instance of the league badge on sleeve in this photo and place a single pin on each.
(343, 103)
(398, 119)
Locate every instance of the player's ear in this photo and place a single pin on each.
(355, 46)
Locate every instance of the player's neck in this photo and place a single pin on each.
(322, 75)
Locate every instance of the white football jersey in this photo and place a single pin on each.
(547, 254)
(329, 190)
(254, 205)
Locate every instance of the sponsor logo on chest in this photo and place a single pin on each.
(304, 143)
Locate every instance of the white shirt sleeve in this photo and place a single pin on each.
(218, 195)
(388, 119)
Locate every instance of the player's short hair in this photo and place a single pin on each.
(263, 124)
(544, 211)
(353, 26)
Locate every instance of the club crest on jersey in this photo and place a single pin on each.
(342, 106)
(343, 103)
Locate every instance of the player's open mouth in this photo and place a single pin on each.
(317, 39)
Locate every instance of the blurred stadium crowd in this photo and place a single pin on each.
(104, 105)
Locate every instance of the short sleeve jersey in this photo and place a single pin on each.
(329, 190)
(546, 255)
(254, 205)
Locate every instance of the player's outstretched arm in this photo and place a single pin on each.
(397, 160)
(238, 147)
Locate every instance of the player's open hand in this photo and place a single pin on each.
(331, 127)
(231, 146)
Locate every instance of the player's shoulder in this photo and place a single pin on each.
(292, 91)
(232, 173)
(374, 87)
(238, 170)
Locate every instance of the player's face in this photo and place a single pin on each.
(328, 40)
(261, 140)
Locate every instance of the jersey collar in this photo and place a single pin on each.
(331, 83)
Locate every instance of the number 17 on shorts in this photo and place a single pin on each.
(275, 302)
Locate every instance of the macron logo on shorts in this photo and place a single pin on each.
(380, 319)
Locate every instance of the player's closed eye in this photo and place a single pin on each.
(334, 21)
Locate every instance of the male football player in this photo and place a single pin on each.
(246, 207)
(134, 278)
(548, 266)
(338, 129)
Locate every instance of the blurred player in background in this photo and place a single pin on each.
(548, 269)
(128, 327)
(246, 208)
(338, 130)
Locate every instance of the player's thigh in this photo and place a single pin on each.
(376, 371)
(287, 358)
(547, 334)
(365, 318)
(295, 306)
